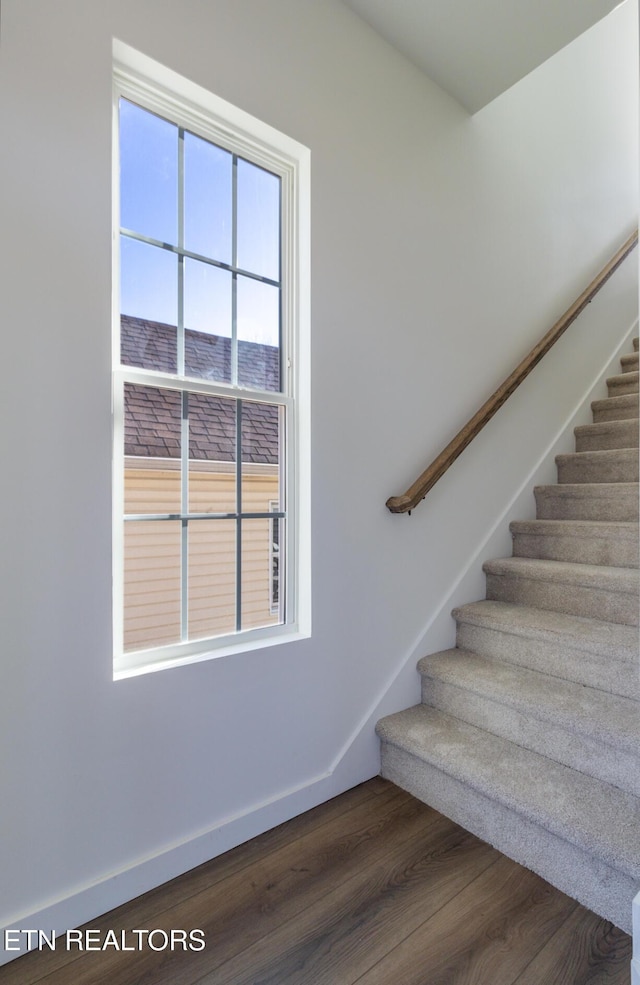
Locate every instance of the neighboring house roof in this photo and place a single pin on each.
(153, 414)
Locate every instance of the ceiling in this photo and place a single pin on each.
(476, 49)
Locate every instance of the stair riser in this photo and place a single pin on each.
(621, 434)
(618, 385)
(616, 552)
(629, 364)
(604, 762)
(619, 467)
(554, 658)
(595, 884)
(615, 409)
(553, 503)
(578, 600)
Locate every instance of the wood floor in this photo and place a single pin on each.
(373, 887)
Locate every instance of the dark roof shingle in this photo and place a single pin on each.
(153, 414)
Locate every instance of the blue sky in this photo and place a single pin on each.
(149, 206)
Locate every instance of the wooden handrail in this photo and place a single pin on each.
(419, 489)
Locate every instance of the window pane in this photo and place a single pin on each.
(258, 312)
(257, 574)
(258, 221)
(212, 578)
(151, 583)
(152, 421)
(260, 456)
(152, 424)
(148, 282)
(207, 199)
(258, 334)
(207, 319)
(212, 454)
(148, 344)
(207, 356)
(148, 174)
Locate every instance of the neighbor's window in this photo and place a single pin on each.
(205, 383)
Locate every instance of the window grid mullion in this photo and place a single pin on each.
(234, 381)
(184, 506)
(141, 517)
(180, 339)
(200, 257)
(239, 516)
(234, 275)
(168, 381)
(184, 402)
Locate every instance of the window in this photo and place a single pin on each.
(274, 572)
(210, 411)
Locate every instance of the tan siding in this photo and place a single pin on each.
(151, 584)
(212, 576)
(154, 490)
(152, 555)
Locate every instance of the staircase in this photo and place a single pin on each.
(528, 733)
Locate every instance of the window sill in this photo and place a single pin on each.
(149, 661)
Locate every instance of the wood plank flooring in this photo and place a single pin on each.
(373, 887)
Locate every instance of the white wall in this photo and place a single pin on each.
(442, 247)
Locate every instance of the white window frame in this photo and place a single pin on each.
(156, 88)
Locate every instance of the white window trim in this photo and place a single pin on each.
(157, 88)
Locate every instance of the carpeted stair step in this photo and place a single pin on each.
(606, 435)
(623, 383)
(599, 654)
(588, 501)
(582, 541)
(529, 730)
(584, 728)
(635, 343)
(612, 465)
(579, 833)
(615, 408)
(590, 590)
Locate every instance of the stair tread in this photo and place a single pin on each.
(576, 528)
(602, 465)
(604, 717)
(589, 813)
(623, 383)
(620, 379)
(600, 455)
(588, 500)
(590, 488)
(594, 635)
(626, 580)
(604, 426)
(628, 426)
(610, 542)
(621, 400)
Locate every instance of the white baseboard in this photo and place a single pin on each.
(90, 901)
